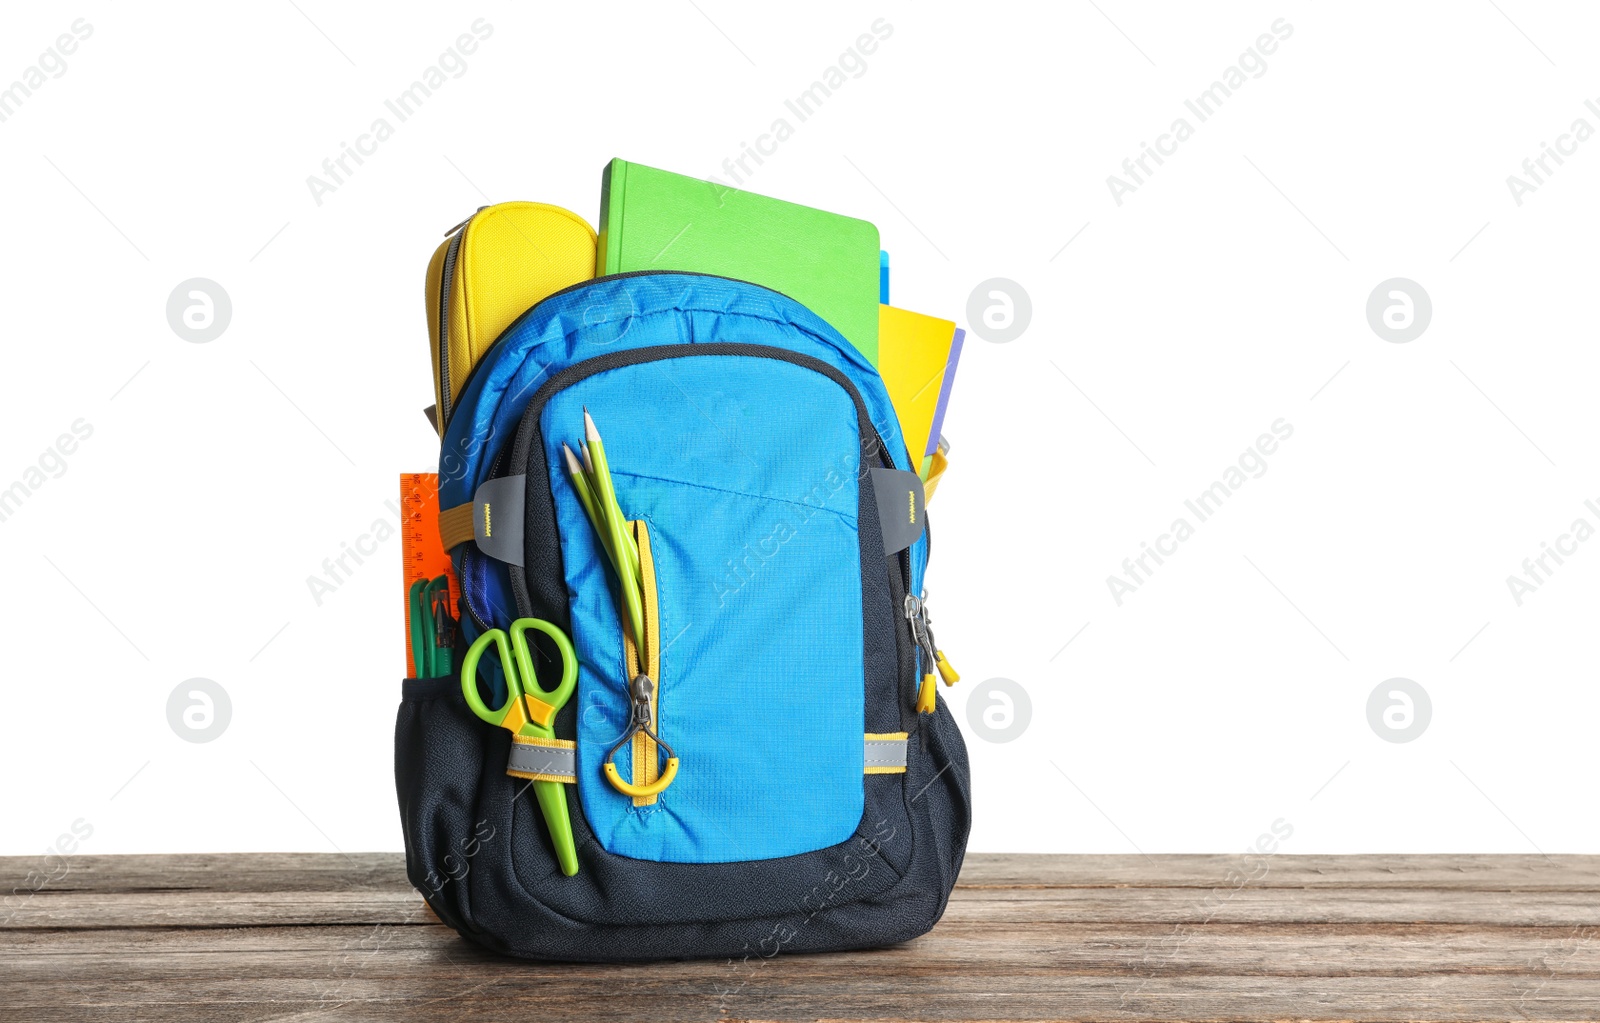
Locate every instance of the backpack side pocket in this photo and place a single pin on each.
(438, 757)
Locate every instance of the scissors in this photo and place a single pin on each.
(529, 710)
(432, 627)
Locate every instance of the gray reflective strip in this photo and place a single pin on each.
(886, 752)
(561, 761)
(526, 758)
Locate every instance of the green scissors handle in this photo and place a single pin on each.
(529, 710)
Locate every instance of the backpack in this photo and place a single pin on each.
(814, 806)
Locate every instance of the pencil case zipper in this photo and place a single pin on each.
(447, 274)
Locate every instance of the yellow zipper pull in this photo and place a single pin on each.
(925, 703)
(946, 672)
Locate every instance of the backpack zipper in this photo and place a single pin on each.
(469, 558)
(916, 612)
(643, 664)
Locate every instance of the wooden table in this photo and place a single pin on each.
(329, 937)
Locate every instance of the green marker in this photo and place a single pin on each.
(606, 504)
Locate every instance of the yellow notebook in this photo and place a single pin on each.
(912, 352)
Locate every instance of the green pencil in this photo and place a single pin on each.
(630, 546)
(580, 484)
(606, 505)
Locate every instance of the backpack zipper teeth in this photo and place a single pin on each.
(917, 615)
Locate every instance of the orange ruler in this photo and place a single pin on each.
(423, 555)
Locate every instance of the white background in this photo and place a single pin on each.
(1228, 291)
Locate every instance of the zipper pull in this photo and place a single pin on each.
(933, 658)
(464, 223)
(643, 692)
(946, 670)
(916, 615)
(641, 697)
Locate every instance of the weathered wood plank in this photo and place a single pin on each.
(1279, 905)
(1075, 938)
(335, 872)
(1344, 1001)
(94, 910)
(361, 983)
(226, 872)
(113, 910)
(944, 957)
(1516, 872)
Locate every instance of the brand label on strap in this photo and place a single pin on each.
(497, 518)
(901, 507)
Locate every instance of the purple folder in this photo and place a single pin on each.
(944, 392)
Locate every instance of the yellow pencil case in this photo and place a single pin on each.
(490, 269)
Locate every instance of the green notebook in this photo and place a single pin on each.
(656, 220)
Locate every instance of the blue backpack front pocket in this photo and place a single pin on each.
(744, 468)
